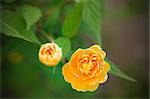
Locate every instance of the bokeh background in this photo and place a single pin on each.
(125, 38)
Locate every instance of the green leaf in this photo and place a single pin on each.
(65, 44)
(88, 31)
(117, 72)
(92, 16)
(52, 21)
(30, 14)
(72, 22)
(12, 24)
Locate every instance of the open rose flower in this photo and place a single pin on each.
(50, 54)
(86, 69)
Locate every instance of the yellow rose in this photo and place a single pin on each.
(50, 54)
(86, 69)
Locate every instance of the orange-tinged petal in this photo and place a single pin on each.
(106, 67)
(104, 73)
(92, 87)
(104, 80)
(97, 48)
(73, 61)
(79, 87)
(79, 84)
(68, 76)
(83, 86)
(92, 81)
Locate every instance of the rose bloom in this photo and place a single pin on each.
(86, 69)
(50, 54)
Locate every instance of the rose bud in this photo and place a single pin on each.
(50, 54)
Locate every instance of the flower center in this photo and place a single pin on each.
(48, 51)
(87, 67)
(89, 64)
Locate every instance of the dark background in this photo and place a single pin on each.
(126, 39)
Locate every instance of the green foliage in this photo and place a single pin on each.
(30, 14)
(12, 24)
(72, 22)
(52, 21)
(87, 31)
(92, 16)
(65, 44)
(117, 72)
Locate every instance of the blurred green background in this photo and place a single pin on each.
(125, 39)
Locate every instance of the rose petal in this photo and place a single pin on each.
(97, 48)
(73, 61)
(79, 86)
(68, 76)
(104, 80)
(104, 73)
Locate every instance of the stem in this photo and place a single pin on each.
(54, 69)
(46, 35)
